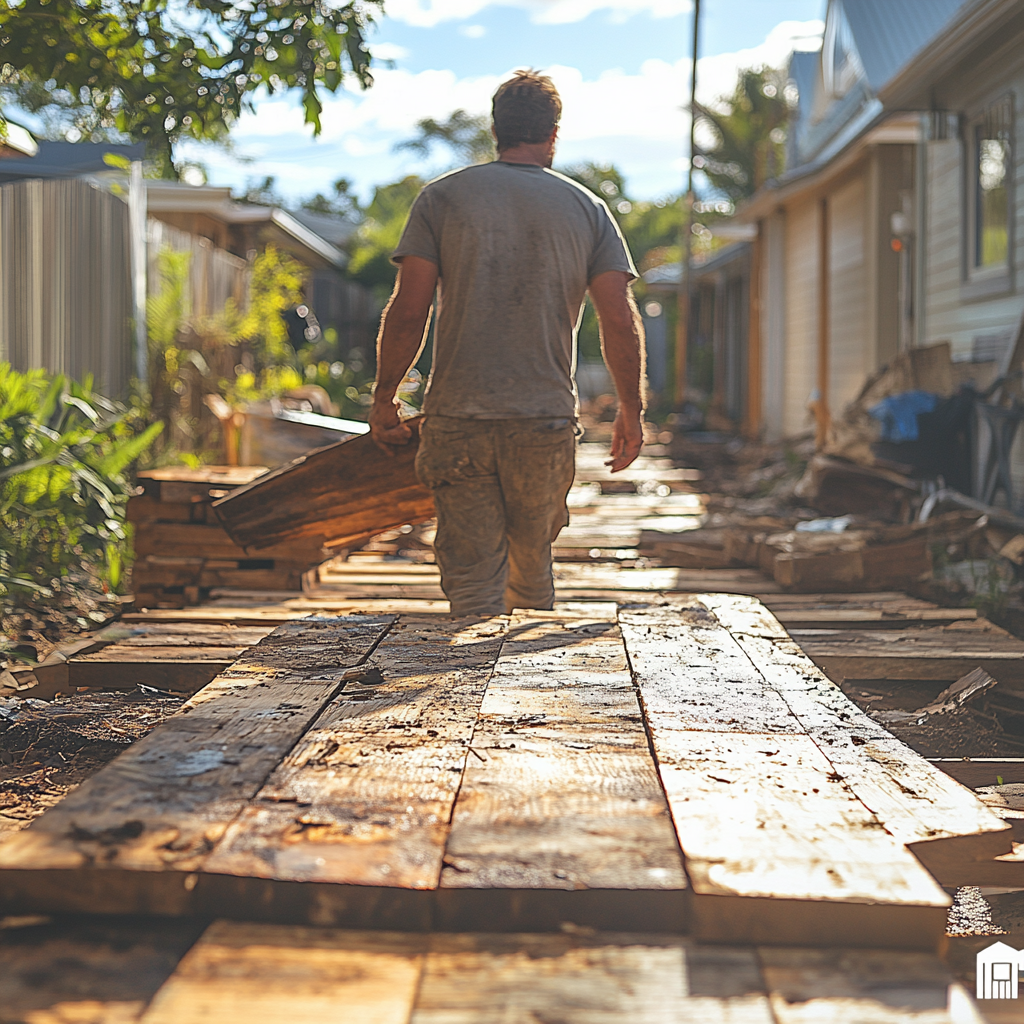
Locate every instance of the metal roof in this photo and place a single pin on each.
(666, 276)
(68, 160)
(889, 33)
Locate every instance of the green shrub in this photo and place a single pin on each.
(64, 456)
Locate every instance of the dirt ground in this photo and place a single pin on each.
(48, 748)
(974, 731)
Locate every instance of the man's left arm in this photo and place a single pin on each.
(403, 331)
(622, 345)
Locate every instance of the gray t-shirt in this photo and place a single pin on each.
(516, 246)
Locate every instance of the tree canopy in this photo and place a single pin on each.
(161, 72)
(468, 136)
(748, 133)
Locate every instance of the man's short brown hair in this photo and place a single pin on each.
(526, 109)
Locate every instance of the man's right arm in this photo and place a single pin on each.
(622, 344)
(403, 331)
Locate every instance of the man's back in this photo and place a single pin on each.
(516, 245)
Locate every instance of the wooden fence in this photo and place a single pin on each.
(214, 274)
(65, 281)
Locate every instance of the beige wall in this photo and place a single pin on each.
(801, 315)
(851, 344)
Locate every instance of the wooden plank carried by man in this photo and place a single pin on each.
(340, 495)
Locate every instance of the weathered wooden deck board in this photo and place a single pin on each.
(272, 974)
(560, 815)
(777, 846)
(945, 825)
(366, 795)
(853, 986)
(129, 839)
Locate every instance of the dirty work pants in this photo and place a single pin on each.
(499, 488)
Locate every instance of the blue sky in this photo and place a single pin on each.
(622, 67)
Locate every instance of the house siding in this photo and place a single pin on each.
(801, 314)
(950, 314)
(850, 350)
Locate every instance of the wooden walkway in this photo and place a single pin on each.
(497, 773)
(651, 804)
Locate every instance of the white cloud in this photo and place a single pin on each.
(716, 75)
(473, 31)
(428, 13)
(634, 120)
(389, 51)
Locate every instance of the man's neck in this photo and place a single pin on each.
(539, 154)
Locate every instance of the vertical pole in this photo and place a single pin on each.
(137, 229)
(821, 413)
(920, 229)
(752, 426)
(684, 295)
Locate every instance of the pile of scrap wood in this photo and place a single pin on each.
(848, 553)
(871, 558)
(182, 551)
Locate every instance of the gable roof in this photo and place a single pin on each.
(866, 43)
(889, 33)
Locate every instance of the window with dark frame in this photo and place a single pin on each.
(991, 155)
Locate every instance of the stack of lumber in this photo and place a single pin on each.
(939, 653)
(674, 767)
(182, 551)
(339, 496)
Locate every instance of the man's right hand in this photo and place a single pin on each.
(627, 439)
(386, 429)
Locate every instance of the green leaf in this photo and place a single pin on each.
(116, 160)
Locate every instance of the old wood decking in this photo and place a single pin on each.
(651, 804)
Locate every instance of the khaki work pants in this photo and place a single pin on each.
(499, 488)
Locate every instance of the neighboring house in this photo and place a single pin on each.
(836, 286)
(719, 333)
(79, 252)
(209, 215)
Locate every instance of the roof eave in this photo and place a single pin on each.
(842, 150)
(968, 28)
(312, 241)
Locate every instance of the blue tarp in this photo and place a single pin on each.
(898, 414)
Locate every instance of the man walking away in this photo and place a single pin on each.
(512, 248)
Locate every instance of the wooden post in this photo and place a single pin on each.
(684, 293)
(752, 424)
(822, 417)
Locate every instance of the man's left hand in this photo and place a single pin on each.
(386, 429)
(627, 439)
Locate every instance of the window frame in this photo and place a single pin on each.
(979, 282)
